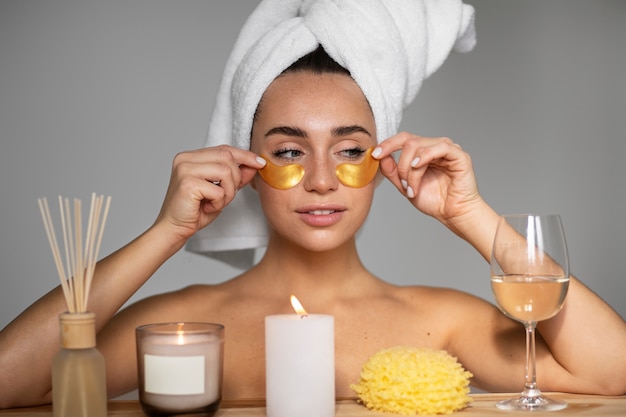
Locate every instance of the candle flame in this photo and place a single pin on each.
(297, 306)
(180, 333)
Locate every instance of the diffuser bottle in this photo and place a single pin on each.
(78, 370)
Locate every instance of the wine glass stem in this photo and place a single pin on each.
(530, 387)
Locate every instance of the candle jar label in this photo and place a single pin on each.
(172, 375)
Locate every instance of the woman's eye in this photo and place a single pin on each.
(353, 153)
(287, 154)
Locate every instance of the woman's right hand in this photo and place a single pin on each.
(202, 183)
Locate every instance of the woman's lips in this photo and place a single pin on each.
(321, 216)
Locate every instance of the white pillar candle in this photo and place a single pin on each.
(300, 365)
(180, 366)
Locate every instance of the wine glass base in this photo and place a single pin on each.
(531, 403)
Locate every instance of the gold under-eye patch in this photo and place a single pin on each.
(351, 175)
(358, 175)
(281, 177)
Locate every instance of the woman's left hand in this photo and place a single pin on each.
(435, 174)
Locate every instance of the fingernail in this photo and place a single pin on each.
(377, 152)
(404, 184)
(410, 192)
(261, 160)
(415, 161)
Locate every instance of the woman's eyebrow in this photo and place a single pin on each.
(287, 131)
(349, 130)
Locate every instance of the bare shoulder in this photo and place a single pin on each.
(192, 303)
(450, 313)
(438, 299)
(198, 302)
(458, 309)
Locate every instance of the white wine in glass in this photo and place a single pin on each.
(529, 280)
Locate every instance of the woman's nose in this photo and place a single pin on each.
(320, 175)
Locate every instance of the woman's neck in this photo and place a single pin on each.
(291, 269)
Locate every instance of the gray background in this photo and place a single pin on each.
(100, 95)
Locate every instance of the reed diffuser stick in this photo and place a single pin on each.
(77, 271)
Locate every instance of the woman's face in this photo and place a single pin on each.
(318, 121)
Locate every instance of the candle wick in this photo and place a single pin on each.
(303, 316)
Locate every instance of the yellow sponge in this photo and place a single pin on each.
(404, 380)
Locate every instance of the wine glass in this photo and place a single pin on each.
(529, 280)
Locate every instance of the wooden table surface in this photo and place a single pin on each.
(483, 405)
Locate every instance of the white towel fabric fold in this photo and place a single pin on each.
(389, 47)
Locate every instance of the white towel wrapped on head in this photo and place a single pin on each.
(388, 46)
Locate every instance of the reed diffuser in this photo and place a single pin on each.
(78, 369)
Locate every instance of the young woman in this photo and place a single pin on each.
(317, 117)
